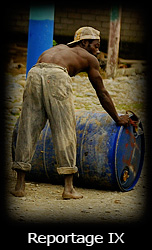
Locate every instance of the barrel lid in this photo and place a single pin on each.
(129, 156)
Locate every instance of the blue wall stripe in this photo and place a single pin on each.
(40, 34)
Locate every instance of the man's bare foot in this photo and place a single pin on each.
(18, 193)
(20, 185)
(69, 192)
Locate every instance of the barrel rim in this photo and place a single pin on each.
(120, 130)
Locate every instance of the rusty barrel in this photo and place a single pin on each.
(108, 156)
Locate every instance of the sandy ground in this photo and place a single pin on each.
(43, 201)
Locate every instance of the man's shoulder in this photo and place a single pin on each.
(84, 53)
(93, 61)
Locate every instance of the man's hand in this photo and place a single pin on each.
(123, 120)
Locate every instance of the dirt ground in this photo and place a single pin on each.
(43, 201)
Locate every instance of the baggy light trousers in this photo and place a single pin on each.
(47, 95)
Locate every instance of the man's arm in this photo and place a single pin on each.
(103, 95)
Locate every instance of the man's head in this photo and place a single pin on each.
(91, 45)
(88, 38)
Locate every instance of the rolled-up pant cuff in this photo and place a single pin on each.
(21, 166)
(67, 170)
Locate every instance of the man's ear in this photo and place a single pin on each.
(84, 43)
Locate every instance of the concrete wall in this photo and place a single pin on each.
(68, 19)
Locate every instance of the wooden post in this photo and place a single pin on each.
(114, 38)
(40, 34)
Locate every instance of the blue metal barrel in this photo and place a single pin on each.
(108, 156)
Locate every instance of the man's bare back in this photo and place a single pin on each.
(74, 59)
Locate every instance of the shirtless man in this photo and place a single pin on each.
(48, 95)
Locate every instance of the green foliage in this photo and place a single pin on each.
(54, 43)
